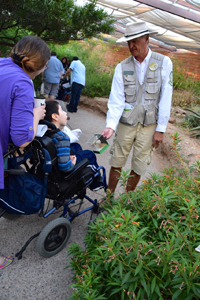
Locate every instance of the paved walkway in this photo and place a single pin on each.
(37, 278)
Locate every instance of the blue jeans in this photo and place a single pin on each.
(81, 154)
(75, 96)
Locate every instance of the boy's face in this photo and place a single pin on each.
(62, 117)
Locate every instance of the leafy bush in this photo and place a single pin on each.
(184, 98)
(191, 122)
(181, 80)
(144, 246)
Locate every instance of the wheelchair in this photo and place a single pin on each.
(64, 91)
(34, 184)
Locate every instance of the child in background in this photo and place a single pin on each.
(67, 160)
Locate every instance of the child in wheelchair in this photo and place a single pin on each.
(68, 154)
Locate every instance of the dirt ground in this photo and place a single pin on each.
(189, 146)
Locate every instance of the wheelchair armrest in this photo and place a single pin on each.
(80, 166)
(19, 171)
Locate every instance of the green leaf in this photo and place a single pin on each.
(115, 291)
(190, 297)
(139, 267)
(120, 269)
(160, 235)
(101, 297)
(196, 290)
(126, 277)
(143, 282)
(116, 270)
(155, 222)
(153, 284)
(176, 294)
(157, 290)
(164, 270)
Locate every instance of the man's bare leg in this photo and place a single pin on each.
(132, 181)
(113, 178)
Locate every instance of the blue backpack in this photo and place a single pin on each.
(25, 194)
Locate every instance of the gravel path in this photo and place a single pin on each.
(35, 277)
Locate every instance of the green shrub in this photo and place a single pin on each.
(184, 85)
(181, 80)
(144, 246)
(191, 122)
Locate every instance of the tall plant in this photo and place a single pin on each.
(197, 116)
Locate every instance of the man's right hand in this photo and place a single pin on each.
(108, 132)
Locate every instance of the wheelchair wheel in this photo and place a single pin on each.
(53, 237)
(8, 215)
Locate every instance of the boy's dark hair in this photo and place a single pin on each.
(75, 58)
(52, 107)
(53, 53)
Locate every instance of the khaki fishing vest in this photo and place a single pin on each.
(141, 101)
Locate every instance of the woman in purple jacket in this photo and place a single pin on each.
(18, 117)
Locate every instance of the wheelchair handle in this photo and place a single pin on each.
(20, 171)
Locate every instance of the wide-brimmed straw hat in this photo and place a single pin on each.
(134, 30)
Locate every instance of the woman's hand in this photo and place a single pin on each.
(73, 159)
(39, 112)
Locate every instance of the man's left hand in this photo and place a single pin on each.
(157, 139)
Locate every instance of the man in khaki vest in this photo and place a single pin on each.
(138, 106)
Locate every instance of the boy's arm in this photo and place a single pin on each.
(62, 143)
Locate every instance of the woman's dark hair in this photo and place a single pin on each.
(65, 64)
(31, 53)
(52, 107)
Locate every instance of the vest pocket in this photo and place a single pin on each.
(130, 117)
(125, 115)
(130, 94)
(151, 115)
(129, 79)
(152, 77)
(151, 92)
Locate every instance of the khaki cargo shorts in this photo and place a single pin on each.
(137, 137)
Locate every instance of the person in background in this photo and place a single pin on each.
(51, 76)
(77, 71)
(18, 117)
(65, 63)
(139, 105)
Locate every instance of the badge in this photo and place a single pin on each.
(171, 78)
(128, 72)
(153, 66)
